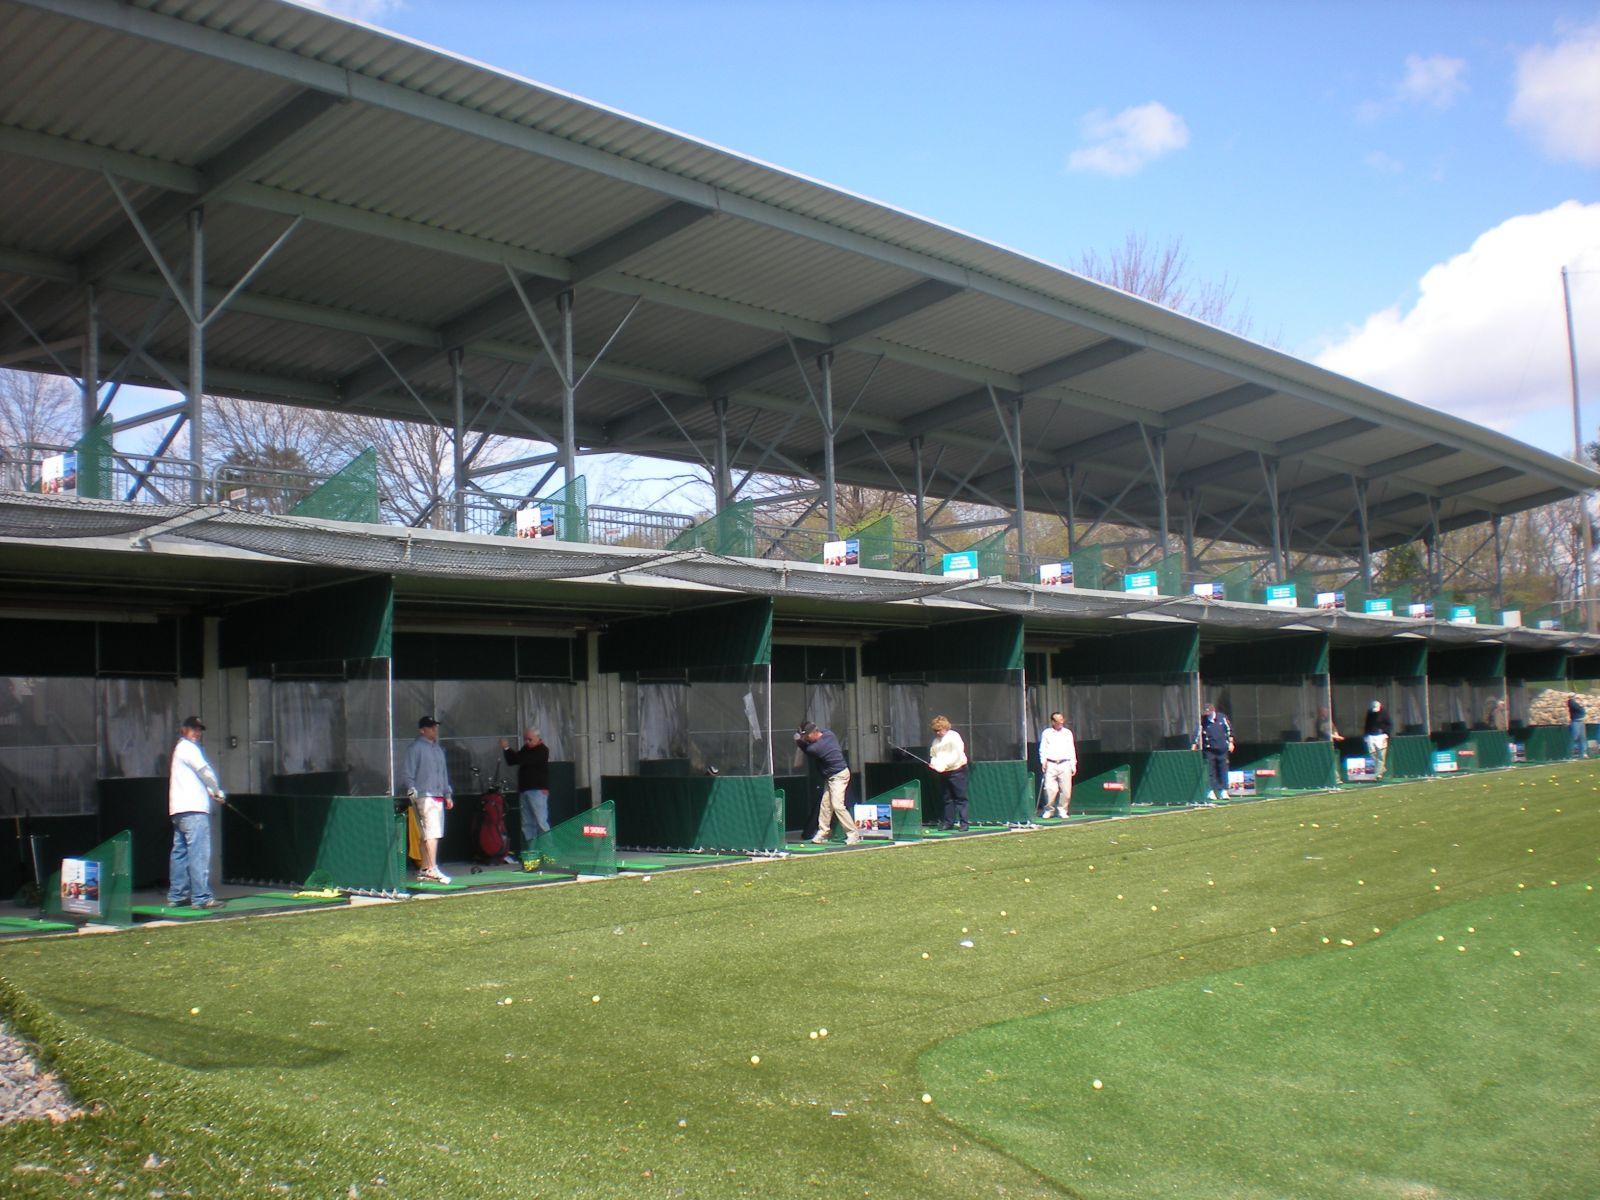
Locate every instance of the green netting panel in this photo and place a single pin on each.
(341, 621)
(731, 531)
(1107, 791)
(1548, 743)
(351, 494)
(1169, 777)
(1554, 616)
(355, 842)
(1542, 665)
(582, 845)
(1169, 575)
(1160, 652)
(720, 635)
(95, 886)
(1467, 663)
(876, 543)
(94, 462)
(1264, 761)
(1410, 757)
(1379, 660)
(739, 814)
(1239, 584)
(1088, 567)
(1493, 747)
(1291, 657)
(902, 804)
(983, 644)
(569, 513)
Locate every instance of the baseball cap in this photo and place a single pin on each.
(192, 723)
(426, 723)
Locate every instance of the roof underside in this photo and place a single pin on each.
(422, 180)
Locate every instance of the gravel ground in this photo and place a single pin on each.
(27, 1091)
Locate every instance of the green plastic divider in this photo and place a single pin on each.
(354, 842)
(1107, 791)
(1493, 747)
(1410, 757)
(1548, 743)
(1088, 567)
(583, 845)
(738, 813)
(96, 886)
(998, 793)
(1264, 761)
(904, 805)
(1161, 778)
(93, 462)
(350, 494)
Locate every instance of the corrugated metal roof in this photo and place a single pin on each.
(481, 167)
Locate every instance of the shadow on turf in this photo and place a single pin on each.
(188, 1042)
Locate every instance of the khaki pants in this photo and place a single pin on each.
(1057, 787)
(1378, 751)
(833, 804)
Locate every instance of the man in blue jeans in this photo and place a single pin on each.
(1215, 740)
(532, 761)
(1577, 715)
(191, 785)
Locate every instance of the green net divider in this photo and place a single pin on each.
(1169, 575)
(799, 800)
(737, 813)
(1410, 757)
(583, 845)
(87, 470)
(1493, 747)
(875, 542)
(1000, 793)
(902, 804)
(1088, 567)
(991, 554)
(1554, 616)
(1108, 791)
(350, 494)
(1164, 778)
(569, 513)
(1548, 743)
(1239, 584)
(731, 531)
(357, 843)
(96, 886)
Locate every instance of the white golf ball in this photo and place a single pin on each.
(755, 1060)
(927, 1099)
(1097, 1085)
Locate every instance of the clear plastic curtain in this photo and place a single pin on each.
(663, 720)
(48, 745)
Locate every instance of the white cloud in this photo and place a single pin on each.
(1435, 80)
(1384, 164)
(1486, 337)
(369, 11)
(1130, 140)
(1557, 101)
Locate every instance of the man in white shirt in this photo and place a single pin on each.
(1058, 759)
(191, 786)
(947, 755)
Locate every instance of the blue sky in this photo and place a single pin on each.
(1322, 157)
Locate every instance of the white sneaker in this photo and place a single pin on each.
(1211, 796)
(820, 840)
(851, 839)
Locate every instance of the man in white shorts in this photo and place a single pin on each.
(425, 780)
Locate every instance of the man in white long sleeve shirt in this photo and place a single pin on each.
(1058, 759)
(191, 785)
(425, 780)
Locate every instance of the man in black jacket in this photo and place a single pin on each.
(532, 761)
(1215, 741)
(1375, 733)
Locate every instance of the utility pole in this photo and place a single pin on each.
(1587, 576)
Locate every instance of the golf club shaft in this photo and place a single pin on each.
(223, 800)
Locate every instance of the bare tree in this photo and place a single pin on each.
(38, 409)
(1161, 274)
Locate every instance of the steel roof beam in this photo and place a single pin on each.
(1379, 469)
(1185, 414)
(505, 304)
(1290, 447)
(392, 97)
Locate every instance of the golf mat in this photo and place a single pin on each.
(259, 902)
(33, 925)
(667, 861)
(496, 877)
(810, 847)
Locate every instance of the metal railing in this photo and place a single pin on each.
(610, 526)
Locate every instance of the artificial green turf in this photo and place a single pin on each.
(334, 1048)
(1417, 1063)
(257, 902)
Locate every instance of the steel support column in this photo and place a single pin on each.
(1269, 469)
(1434, 568)
(1360, 486)
(458, 438)
(569, 393)
(1155, 445)
(91, 359)
(722, 472)
(195, 393)
(830, 496)
(1191, 513)
(1072, 512)
(1019, 499)
(921, 497)
(1499, 563)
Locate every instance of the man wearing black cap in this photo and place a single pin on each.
(191, 786)
(425, 781)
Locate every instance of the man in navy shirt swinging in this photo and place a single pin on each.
(822, 747)
(1215, 741)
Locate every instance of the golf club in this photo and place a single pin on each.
(223, 800)
(911, 754)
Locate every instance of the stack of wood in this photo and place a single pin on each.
(1549, 707)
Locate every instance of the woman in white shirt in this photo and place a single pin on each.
(948, 757)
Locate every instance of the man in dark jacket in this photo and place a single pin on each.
(532, 761)
(1577, 715)
(1215, 741)
(822, 748)
(1375, 733)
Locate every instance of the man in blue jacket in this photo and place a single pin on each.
(1215, 741)
(822, 748)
